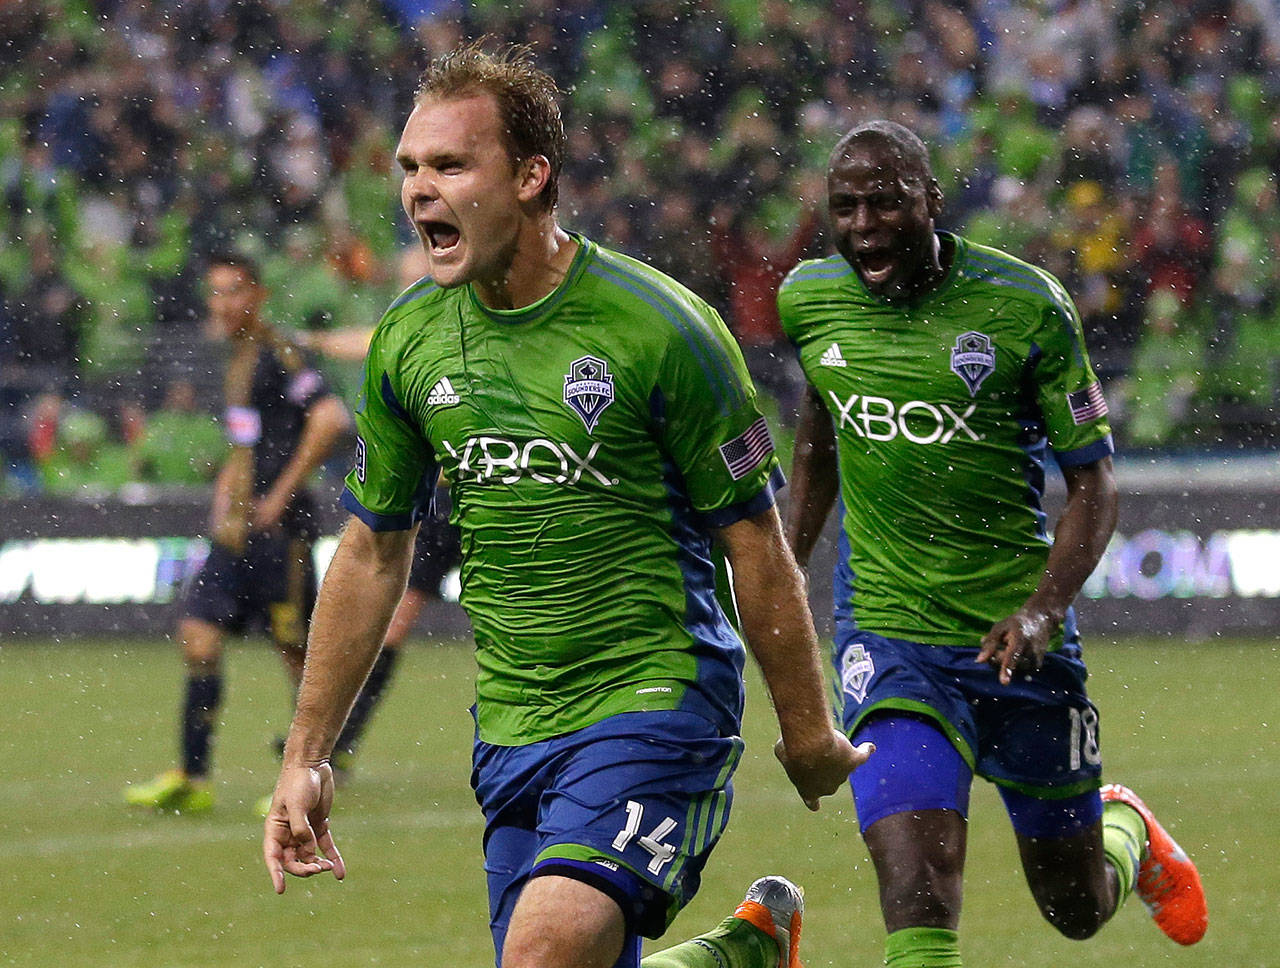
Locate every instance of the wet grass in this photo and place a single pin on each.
(87, 882)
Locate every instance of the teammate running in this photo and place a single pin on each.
(597, 427)
(941, 373)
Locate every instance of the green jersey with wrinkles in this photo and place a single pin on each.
(944, 411)
(592, 441)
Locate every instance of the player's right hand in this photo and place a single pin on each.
(821, 773)
(296, 837)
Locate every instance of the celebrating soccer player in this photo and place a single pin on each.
(598, 429)
(942, 374)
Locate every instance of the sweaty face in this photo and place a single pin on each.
(460, 190)
(883, 220)
(234, 299)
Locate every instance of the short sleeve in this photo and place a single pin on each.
(390, 487)
(710, 426)
(1067, 390)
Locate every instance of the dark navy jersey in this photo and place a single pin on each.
(281, 395)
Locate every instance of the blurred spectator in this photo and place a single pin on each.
(84, 462)
(179, 444)
(139, 137)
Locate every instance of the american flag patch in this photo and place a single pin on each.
(1087, 404)
(747, 451)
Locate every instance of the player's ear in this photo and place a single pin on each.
(534, 173)
(935, 198)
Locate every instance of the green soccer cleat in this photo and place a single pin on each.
(171, 792)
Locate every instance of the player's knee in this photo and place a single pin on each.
(1078, 919)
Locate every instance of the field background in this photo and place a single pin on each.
(86, 882)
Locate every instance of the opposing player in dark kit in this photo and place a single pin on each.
(282, 423)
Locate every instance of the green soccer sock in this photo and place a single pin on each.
(734, 943)
(922, 948)
(1124, 837)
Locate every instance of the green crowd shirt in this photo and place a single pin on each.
(945, 410)
(592, 442)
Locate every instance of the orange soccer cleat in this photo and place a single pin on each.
(1168, 883)
(775, 905)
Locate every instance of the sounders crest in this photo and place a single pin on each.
(973, 359)
(588, 389)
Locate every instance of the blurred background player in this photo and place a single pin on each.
(941, 372)
(282, 422)
(598, 428)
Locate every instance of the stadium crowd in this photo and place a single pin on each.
(1131, 148)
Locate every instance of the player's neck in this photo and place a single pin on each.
(539, 262)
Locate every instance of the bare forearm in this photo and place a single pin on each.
(813, 478)
(356, 602)
(1080, 539)
(779, 632)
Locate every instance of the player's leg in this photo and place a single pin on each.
(1076, 882)
(284, 578)
(213, 606)
(912, 797)
(554, 814)
(561, 922)
(912, 806)
(762, 932)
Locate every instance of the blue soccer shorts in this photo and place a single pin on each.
(632, 805)
(937, 717)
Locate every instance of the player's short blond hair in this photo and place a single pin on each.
(527, 99)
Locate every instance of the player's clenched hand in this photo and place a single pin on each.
(296, 837)
(822, 772)
(1017, 643)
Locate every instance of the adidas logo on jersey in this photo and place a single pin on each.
(442, 394)
(833, 356)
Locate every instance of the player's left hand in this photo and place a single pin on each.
(1018, 643)
(296, 838)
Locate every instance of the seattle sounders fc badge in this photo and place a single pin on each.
(588, 389)
(973, 359)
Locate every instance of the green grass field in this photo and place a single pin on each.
(86, 882)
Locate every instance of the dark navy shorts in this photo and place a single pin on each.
(271, 586)
(1037, 736)
(631, 805)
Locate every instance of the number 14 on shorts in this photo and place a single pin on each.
(662, 853)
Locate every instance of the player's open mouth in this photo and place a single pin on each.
(441, 236)
(876, 265)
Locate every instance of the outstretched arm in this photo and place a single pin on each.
(1087, 522)
(361, 588)
(813, 477)
(779, 631)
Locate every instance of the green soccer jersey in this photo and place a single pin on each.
(944, 411)
(592, 441)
